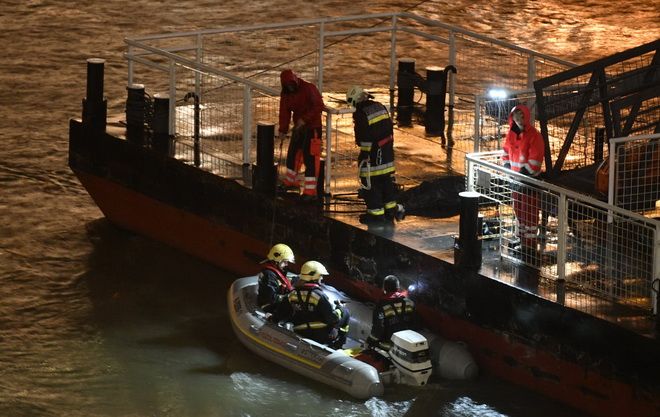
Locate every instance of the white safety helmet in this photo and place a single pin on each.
(312, 271)
(356, 94)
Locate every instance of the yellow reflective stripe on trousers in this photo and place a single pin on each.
(310, 325)
(378, 170)
(390, 204)
(376, 212)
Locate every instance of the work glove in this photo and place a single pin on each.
(334, 333)
(507, 165)
(524, 171)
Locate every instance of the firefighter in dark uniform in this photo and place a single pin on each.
(274, 285)
(310, 310)
(374, 135)
(394, 312)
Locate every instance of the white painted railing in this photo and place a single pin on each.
(583, 241)
(235, 71)
(634, 172)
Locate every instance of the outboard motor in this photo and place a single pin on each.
(410, 355)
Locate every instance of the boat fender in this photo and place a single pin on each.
(451, 360)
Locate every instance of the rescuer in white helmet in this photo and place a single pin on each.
(374, 134)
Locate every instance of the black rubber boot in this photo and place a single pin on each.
(367, 218)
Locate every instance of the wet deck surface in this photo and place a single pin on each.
(435, 237)
(425, 159)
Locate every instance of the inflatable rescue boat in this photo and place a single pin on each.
(411, 360)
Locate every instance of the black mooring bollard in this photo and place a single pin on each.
(95, 68)
(434, 117)
(406, 85)
(135, 111)
(162, 142)
(95, 105)
(467, 248)
(264, 177)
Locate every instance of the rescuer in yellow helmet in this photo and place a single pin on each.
(274, 285)
(311, 312)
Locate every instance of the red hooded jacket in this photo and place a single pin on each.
(523, 148)
(305, 103)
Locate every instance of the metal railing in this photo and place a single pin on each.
(597, 247)
(234, 71)
(234, 75)
(634, 180)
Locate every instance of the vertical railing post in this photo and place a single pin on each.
(198, 74)
(393, 62)
(321, 45)
(452, 48)
(613, 157)
(130, 65)
(531, 76)
(655, 279)
(469, 169)
(247, 123)
(477, 122)
(610, 252)
(172, 94)
(197, 139)
(452, 89)
(328, 152)
(562, 232)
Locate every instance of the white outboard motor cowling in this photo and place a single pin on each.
(410, 355)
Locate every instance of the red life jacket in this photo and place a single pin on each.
(393, 296)
(283, 280)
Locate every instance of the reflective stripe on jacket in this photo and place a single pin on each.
(394, 313)
(374, 134)
(311, 308)
(523, 148)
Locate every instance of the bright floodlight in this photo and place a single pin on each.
(497, 93)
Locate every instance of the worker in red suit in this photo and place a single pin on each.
(302, 100)
(524, 151)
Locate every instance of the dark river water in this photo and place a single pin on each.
(95, 321)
